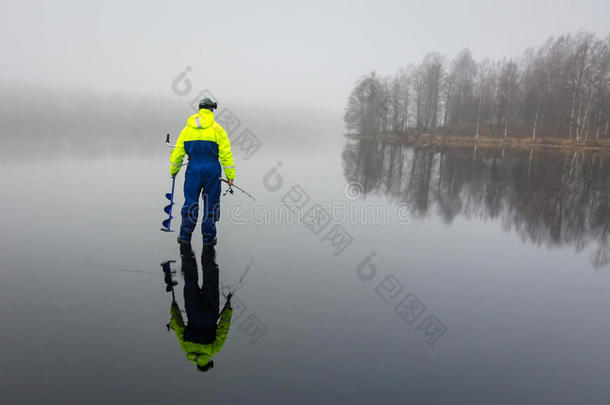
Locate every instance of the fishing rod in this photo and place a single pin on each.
(231, 289)
(230, 190)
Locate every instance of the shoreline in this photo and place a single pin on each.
(430, 140)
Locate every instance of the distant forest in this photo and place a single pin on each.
(561, 89)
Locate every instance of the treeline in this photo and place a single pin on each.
(561, 89)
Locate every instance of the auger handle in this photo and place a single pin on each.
(167, 141)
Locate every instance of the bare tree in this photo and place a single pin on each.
(508, 91)
(561, 88)
(463, 71)
(427, 89)
(361, 112)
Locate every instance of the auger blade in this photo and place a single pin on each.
(168, 209)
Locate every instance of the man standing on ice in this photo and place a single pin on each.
(205, 142)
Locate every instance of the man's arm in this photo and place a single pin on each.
(224, 152)
(176, 321)
(222, 330)
(177, 155)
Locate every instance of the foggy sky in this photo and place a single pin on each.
(271, 52)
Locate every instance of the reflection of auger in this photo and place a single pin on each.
(170, 283)
(167, 271)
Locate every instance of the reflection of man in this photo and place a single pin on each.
(204, 335)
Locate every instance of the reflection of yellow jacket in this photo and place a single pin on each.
(203, 139)
(196, 352)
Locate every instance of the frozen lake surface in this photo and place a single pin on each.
(487, 284)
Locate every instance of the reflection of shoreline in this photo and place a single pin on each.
(498, 142)
(548, 197)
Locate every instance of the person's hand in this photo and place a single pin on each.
(230, 182)
(228, 303)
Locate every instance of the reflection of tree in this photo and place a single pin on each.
(547, 197)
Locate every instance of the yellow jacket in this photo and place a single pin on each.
(203, 140)
(201, 354)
